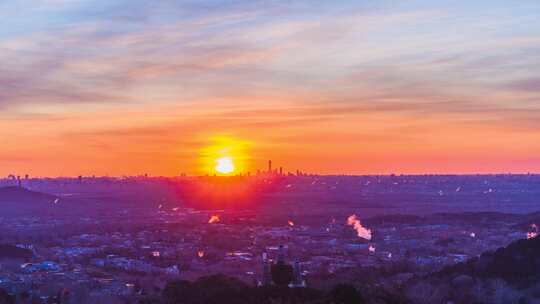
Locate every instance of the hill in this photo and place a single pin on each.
(23, 195)
(507, 275)
(8, 251)
(518, 264)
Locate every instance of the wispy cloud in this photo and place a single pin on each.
(164, 74)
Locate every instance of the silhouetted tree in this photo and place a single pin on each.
(345, 294)
(5, 298)
(211, 289)
(177, 290)
(226, 290)
(282, 274)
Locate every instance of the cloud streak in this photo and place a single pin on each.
(167, 74)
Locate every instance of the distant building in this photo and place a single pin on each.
(279, 273)
(298, 279)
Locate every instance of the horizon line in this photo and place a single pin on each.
(149, 176)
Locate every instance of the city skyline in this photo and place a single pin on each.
(370, 87)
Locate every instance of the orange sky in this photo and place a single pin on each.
(332, 89)
(125, 142)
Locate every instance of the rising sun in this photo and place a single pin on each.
(224, 165)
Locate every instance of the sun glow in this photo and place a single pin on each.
(224, 165)
(225, 156)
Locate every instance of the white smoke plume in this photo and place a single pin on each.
(361, 231)
(214, 219)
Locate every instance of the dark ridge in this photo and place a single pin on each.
(8, 251)
(477, 216)
(531, 218)
(393, 218)
(518, 264)
(22, 195)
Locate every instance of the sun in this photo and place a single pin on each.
(224, 155)
(224, 165)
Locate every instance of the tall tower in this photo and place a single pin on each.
(269, 166)
(266, 271)
(298, 280)
(281, 254)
